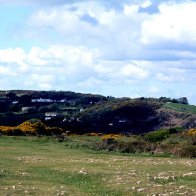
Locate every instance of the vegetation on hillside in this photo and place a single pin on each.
(82, 113)
(173, 141)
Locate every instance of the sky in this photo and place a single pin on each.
(130, 48)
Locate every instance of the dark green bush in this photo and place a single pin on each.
(16, 131)
(40, 128)
(175, 130)
(53, 131)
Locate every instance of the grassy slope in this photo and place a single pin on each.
(181, 107)
(38, 166)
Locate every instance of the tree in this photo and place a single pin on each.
(25, 99)
(11, 96)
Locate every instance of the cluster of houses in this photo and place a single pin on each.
(38, 100)
(48, 115)
(41, 100)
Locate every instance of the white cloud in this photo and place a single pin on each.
(44, 67)
(134, 71)
(40, 81)
(15, 57)
(114, 33)
(31, 2)
(174, 22)
(124, 34)
(12, 55)
(90, 82)
(130, 9)
(153, 90)
(6, 71)
(146, 4)
(36, 56)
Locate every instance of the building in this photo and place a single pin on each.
(41, 100)
(28, 109)
(62, 101)
(15, 102)
(81, 109)
(122, 120)
(52, 115)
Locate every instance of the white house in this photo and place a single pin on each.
(50, 115)
(62, 101)
(81, 109)
(14, 102)
(122, 120)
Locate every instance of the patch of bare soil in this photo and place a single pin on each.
(170, 118)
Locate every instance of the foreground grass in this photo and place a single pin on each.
(41, 166)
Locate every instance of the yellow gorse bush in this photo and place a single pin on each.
(92, 134)
(30, 128)
(192, 132)
(111, 136)
(5, 128)
(27, 127)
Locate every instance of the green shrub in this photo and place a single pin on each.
(134, 147)
(178, 139)
(157, 136)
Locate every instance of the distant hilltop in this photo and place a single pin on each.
(52, 96)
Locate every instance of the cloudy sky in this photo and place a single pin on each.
(120, 48)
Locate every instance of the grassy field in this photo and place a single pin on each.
(42, 166)
(181, 107)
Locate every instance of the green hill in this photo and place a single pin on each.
(181, 107)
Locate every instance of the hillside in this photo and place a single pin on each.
(83, 113)
(191, 109)
(121, 115)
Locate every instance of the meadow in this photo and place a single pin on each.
(44, 166)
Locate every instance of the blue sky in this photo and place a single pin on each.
(128, 48)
